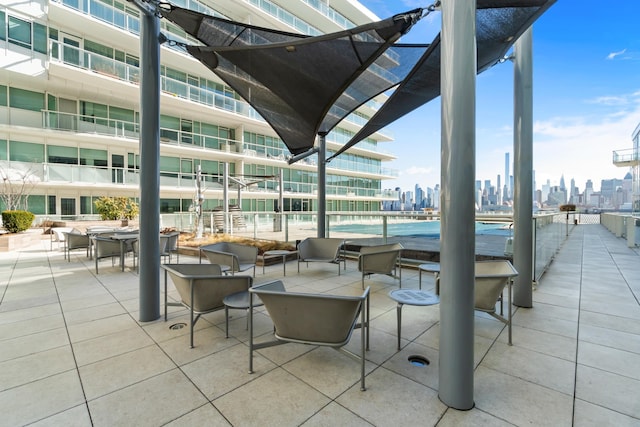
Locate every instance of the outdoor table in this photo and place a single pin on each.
(124, 238)
(411, 297)
(276, 253)
(430, 267)
(239, 300)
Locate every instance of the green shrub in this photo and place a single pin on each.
(112, 208)
(17, 221)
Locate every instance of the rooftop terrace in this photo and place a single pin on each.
(72, 351)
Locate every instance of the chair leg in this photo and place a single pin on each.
(226, 321)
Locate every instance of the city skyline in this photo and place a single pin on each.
(586, 93)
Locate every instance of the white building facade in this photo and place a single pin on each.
(70, 113)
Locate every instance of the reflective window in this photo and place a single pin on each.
(19, 32)
(26, 99)
(64, 155)
(26, 152)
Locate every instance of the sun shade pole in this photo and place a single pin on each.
(523, 169)
(458, 88)
(225, 196)
(149, 162)
(322, 183)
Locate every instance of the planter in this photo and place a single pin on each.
(16, 241)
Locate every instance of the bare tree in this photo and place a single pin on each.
(16, 187)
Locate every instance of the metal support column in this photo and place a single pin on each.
(322, 183)
(149, 165)
(457, 203)
(280, 198)
(225, 196)
(523, 169)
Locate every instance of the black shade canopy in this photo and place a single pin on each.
(304, 86)
(499, 23)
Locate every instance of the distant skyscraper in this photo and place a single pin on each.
(498, 192)
(507, 164)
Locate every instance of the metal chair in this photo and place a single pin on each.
(315, 319)
(74, 240)
(381, 259)
(234, 255)
(202, 289)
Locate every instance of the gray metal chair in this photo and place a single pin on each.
(233, 255)
(202, 289)
(315, 319)
(319, 249)
(105, 247)
(491, 277)
(74, 240)
(171, 245)
(381, 259)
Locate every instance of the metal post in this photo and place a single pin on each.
(322, 183)
(280, 197)
(457, 202)
(149, 165)
(523, 169)
(225, 196)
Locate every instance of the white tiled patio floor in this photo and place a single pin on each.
(72, 352)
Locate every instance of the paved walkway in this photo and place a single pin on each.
(72, 352)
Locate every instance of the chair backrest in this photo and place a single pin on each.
(106, 247)
(319, 247)
(379, 258)
(246, 254)
(209, 285)
(58, 233)
(76, 240)
(490, 279)
(171, 243)
(318, 319)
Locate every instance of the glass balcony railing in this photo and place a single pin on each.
(626, 157)
(125, 129)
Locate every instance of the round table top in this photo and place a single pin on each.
(276, 252)
(241, 300)
(413, 297)
(432, 267)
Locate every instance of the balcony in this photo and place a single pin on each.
(626, 158)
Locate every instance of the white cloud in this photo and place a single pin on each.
(417, 170)
(613, 55)
(582, 148)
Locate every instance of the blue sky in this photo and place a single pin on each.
(586, 90)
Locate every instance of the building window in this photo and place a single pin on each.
(26, 99)
(26, 152)
(3, 26)
(39, 38)
(64, 155)
(19, 32)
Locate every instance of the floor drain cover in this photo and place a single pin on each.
(177, 326)
(419, 361)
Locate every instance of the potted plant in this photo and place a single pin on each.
(114, 208)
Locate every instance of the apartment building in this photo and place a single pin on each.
(70, 113)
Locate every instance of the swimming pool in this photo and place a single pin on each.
(419, 229)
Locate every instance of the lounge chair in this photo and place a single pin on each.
(381, 259)
(235, 256)
(491, 277)
(75, 240)
(57, 235)
(315, 319)
(171, 245)
(205, 286)
(105, 247)
(319, 249)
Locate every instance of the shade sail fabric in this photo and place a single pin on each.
(304, 86)
(301, 85)
(498, 26)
